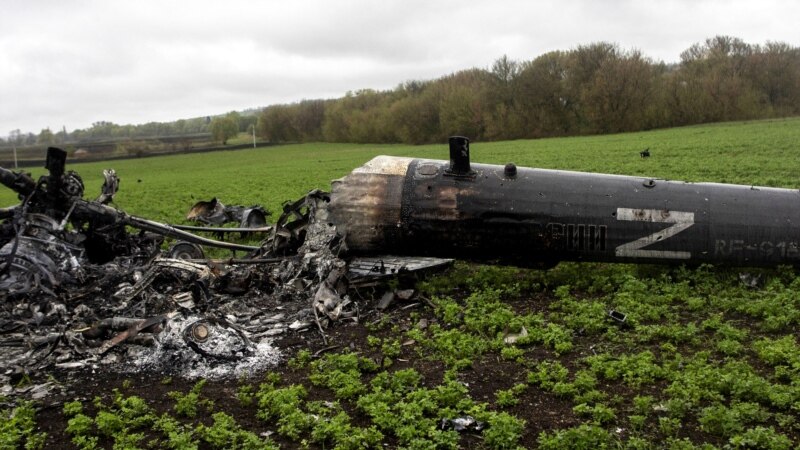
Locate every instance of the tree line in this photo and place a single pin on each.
(221, 128)
(595, 88)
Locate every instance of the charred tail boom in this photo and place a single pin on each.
(527, 216)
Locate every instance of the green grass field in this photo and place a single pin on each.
(703, 361)
(163, 188)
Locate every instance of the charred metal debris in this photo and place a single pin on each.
(83, 284)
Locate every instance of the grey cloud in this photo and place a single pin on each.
(75, 62)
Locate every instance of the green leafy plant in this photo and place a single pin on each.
(726, 421)
(245, 394)
(512, 353)
(503, 431)
(188, 404)
(509, 397)
(225, 433)
(18, 428)
(599, 413)
(285, 406)
(177, 435)
(581, 437)
(547, 373)
(341, 373)
(761, 437)
(301, 359)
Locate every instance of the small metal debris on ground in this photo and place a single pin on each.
(461, 424)
(752, 281)
(512, 338)
(618, 317)
(386, 300)
(213, 212)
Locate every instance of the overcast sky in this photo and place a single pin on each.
(72, 63)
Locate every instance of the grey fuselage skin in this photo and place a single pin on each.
(525, 216)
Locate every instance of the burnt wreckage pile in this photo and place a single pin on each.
(78, 279)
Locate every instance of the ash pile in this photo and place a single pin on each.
(84, 285)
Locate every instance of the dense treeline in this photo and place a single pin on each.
(596, 88)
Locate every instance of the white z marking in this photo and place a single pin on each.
(681, 220)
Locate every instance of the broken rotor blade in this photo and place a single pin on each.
(90, 208)
(240, 260)
(222, 229)
(156, 227)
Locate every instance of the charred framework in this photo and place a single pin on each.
(76, 284)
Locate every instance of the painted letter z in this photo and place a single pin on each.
(681, 220)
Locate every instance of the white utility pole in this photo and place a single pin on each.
(15, 157)
(254, 137)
